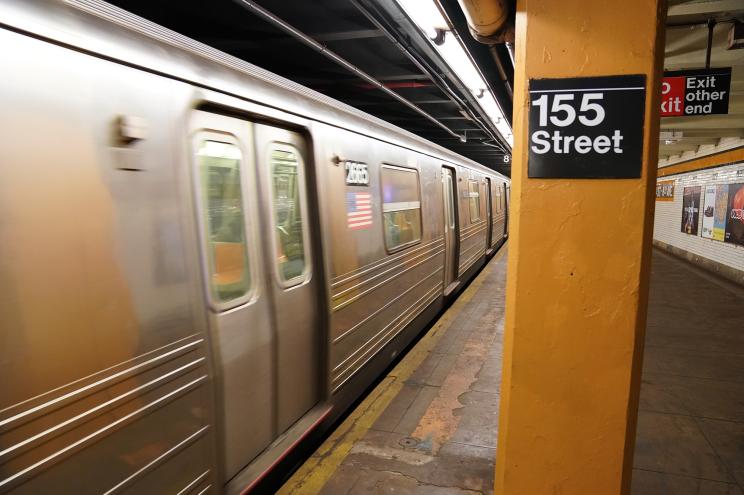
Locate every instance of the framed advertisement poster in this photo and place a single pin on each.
(690, 209)
(735, 214)
(720, 210)
(709, 202)
(665, 190)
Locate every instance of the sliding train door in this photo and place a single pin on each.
(449, 193)
(507, 203)
(251, 210)
(489, 216)
(281, 157)
(239, 310)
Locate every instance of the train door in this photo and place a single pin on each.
(496, 211)
(281, 157)
(506, 204)
(239, 310)
(251, 210)
(449, 195)
(489, 215)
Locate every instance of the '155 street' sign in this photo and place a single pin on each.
(586, 127)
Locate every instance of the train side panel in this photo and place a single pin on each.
(107, 355)
(378, 281)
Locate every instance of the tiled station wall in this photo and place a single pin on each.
(668, 217)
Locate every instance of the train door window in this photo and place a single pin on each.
(498, 199)
(222, 221)
(450, 204)
(401, 207)
(474, 200)
(290, 243)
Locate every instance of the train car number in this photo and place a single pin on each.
(357, 174)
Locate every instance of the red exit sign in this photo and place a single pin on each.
(695, 92)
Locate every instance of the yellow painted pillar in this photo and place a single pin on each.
(578, 266)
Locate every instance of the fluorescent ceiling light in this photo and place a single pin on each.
(426, 15)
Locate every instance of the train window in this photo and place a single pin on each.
(474, 200)
(289, 233)
(223, 221)
(451, 203)
(498, 199)
(401, 207)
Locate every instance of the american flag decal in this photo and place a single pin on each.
(358, 210)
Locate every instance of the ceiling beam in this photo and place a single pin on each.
(736, 102)
(475, 146)
(714, 132)
(238, 43)
(677, 147)
(360, 103)
(697, 141)
(705, 8)
(415, 119)
(309, 81)
(356, 34)
(703, 122)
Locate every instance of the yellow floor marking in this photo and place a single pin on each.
(439, 422)
(319, 468)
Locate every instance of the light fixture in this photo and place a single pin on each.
(429, 19)
(439, 38)
(673, 136)
(670, 137)
(426, 15)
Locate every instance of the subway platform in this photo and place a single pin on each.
(690, 436)
(430, 426)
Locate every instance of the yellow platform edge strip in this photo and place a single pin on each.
(321, 466)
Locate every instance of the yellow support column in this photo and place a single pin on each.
(578, 265)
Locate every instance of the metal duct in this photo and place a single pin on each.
(488, 20)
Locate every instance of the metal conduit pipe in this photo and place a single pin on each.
(428, 71)
(500, 68)
(487, 20)
(307, 40)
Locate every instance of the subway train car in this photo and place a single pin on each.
(202, 263)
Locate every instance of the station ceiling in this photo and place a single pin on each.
(378, 38)
(686, 44)
(373, 35)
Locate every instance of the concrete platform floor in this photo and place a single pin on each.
(690, 438)
(430, 426)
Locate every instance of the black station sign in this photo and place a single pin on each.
(586, 128)
(695, 92)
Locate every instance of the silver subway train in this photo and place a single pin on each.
(201, 263)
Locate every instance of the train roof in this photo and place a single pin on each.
(86, 25)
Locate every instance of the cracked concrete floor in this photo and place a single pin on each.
(430, 426)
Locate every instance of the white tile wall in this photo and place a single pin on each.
(668, 217)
